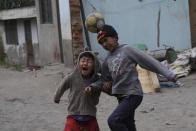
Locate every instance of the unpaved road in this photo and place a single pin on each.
(26, 104)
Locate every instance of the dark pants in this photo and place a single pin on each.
(122, 118)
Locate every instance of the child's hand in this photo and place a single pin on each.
(174, 79)
(107, 86)
(88, 89)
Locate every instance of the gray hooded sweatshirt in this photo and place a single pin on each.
(120, 68)
(80, 103)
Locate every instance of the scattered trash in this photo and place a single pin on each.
(34, 68)
(144, 111)
(167, 123)
(26, 70)
(12, 100)
(171, 84)
(148, 110)
(181, 66)
(170, 55)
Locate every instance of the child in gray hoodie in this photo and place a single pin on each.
(81, 106)
(119, 68)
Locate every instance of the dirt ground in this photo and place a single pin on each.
(26, 103)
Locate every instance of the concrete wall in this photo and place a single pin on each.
(65, 21)
(17, 54)
(48, 37)
(45, 37)
(35, 42)
(25, 12)
(137, 22)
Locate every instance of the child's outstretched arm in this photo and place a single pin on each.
(148, 62)
(62, 87)
(104, 82)
(94, 87)
(106, 88)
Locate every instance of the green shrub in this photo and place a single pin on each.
(3, 63)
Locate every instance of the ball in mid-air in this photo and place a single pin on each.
(94, 22)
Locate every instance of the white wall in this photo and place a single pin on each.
(49, 37)
(17, 53)
(65, 19)
(21, 32)
(34, 31)
(2, 32)
(25, 12)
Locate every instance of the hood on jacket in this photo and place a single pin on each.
(97, 65)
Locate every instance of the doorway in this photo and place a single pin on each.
(28, 38)
(192, 10)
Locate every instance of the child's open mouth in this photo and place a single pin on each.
(84, 68)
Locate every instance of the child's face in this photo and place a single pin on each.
(109, 43)
(86, 66)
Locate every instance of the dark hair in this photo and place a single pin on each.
(87, 54)
(107, 31)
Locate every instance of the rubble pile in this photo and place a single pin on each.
(182, 65)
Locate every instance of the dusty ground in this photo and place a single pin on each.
(26, 104)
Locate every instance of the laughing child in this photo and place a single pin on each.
(119, 68)
(82, 106)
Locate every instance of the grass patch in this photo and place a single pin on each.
(10, 66)
(17, 67)
(2, 54)
(3, 62)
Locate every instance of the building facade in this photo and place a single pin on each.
(18, 28)
(41, 33)
(53, 31)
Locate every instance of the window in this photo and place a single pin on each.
(10, 4)
(11, 32)
(46, 11)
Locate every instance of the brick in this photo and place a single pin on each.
(75, 10)
(76, 19)
(76, 26)
(77, 41)
(75, 15)
(74, 2)
(77, 29)
(77, 44)
(77, 37)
